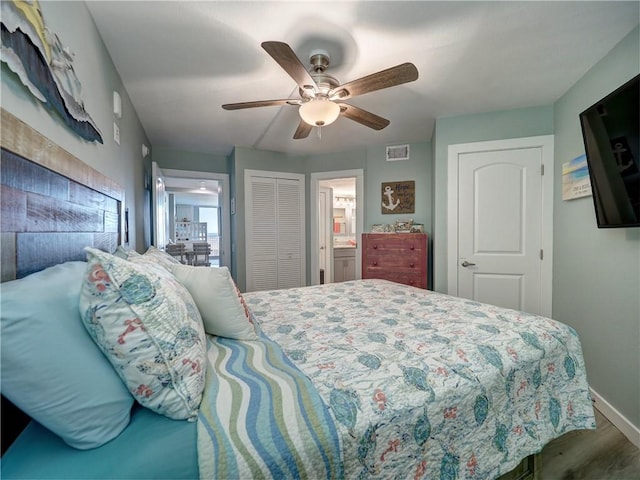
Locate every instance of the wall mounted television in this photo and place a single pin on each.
(611, 134)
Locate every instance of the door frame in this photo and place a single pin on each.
(224, 203)
(158, 207)
(545, 142)
(314, 215)
(328, 237)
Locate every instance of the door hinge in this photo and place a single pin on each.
(541, 254)
(542, 169)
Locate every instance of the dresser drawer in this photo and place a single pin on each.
(405, 262)
(412, 279)
(394, 243)
(400, 258)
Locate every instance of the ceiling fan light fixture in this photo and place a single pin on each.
(319, 112)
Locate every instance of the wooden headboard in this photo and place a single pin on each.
(52, 204)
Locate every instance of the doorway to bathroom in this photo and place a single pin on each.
(336, 226)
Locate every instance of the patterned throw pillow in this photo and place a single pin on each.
(149, 327)
(221, 305)
(126, 253)
(158, 256)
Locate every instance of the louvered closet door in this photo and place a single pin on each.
(289, 248)
(262, 261)
(275, 231)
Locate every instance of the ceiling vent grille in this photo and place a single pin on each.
(397, 152)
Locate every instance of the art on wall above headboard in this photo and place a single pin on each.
(52, 204)
(44, 65)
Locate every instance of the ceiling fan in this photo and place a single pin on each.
(322, 96)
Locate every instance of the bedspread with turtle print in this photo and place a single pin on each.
(425, 385)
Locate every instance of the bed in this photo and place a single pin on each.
(362, 379)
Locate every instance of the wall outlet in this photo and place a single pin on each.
(116, 133)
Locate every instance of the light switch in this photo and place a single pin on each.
(116, 133)
(117, 105)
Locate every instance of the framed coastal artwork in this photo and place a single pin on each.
(44, 65)
(575, 179)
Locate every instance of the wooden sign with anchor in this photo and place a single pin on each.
(398, 197)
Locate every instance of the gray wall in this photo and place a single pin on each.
(95, 70)
(193, 161)
(596, 272)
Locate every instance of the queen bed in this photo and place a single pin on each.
(362, 379)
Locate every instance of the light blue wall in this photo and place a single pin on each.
(123, 163)
(376, 170)
(596, 272)
(417, 168)
(523, 122)
(248, 158)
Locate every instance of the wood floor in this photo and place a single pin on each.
(601, 454)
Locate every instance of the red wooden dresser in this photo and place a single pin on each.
(398, 257)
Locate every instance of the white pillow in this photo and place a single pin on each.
(220, 302)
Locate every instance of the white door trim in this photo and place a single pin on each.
(159, 206)
(225, 251)
(545, 142)
(328, 234)
(314, 195)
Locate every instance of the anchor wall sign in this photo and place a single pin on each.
(398, 197)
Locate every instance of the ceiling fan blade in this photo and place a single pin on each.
(303, 130)
(359, 115)
(287, 59)
(404, 73)
(260, 103)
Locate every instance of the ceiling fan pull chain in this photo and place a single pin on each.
(319, 132)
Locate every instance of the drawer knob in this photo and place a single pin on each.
(412, 247)
(375, 247)
(411, 265)
(375, 264)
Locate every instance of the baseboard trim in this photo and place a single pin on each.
(627, 428)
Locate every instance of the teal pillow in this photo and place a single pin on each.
(51, 368)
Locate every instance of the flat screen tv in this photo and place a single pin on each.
(611, 134)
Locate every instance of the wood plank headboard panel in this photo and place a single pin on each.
(52, 204)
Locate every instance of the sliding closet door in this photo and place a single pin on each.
(275, 228)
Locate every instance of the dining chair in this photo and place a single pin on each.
(176, 250)
(201, 252)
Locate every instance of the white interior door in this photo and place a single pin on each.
(159, 207)
(499, 246)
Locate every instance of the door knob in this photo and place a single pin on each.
(468, 264)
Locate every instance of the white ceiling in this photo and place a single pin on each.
(181, 60)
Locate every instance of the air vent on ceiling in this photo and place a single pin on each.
(397, 152)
